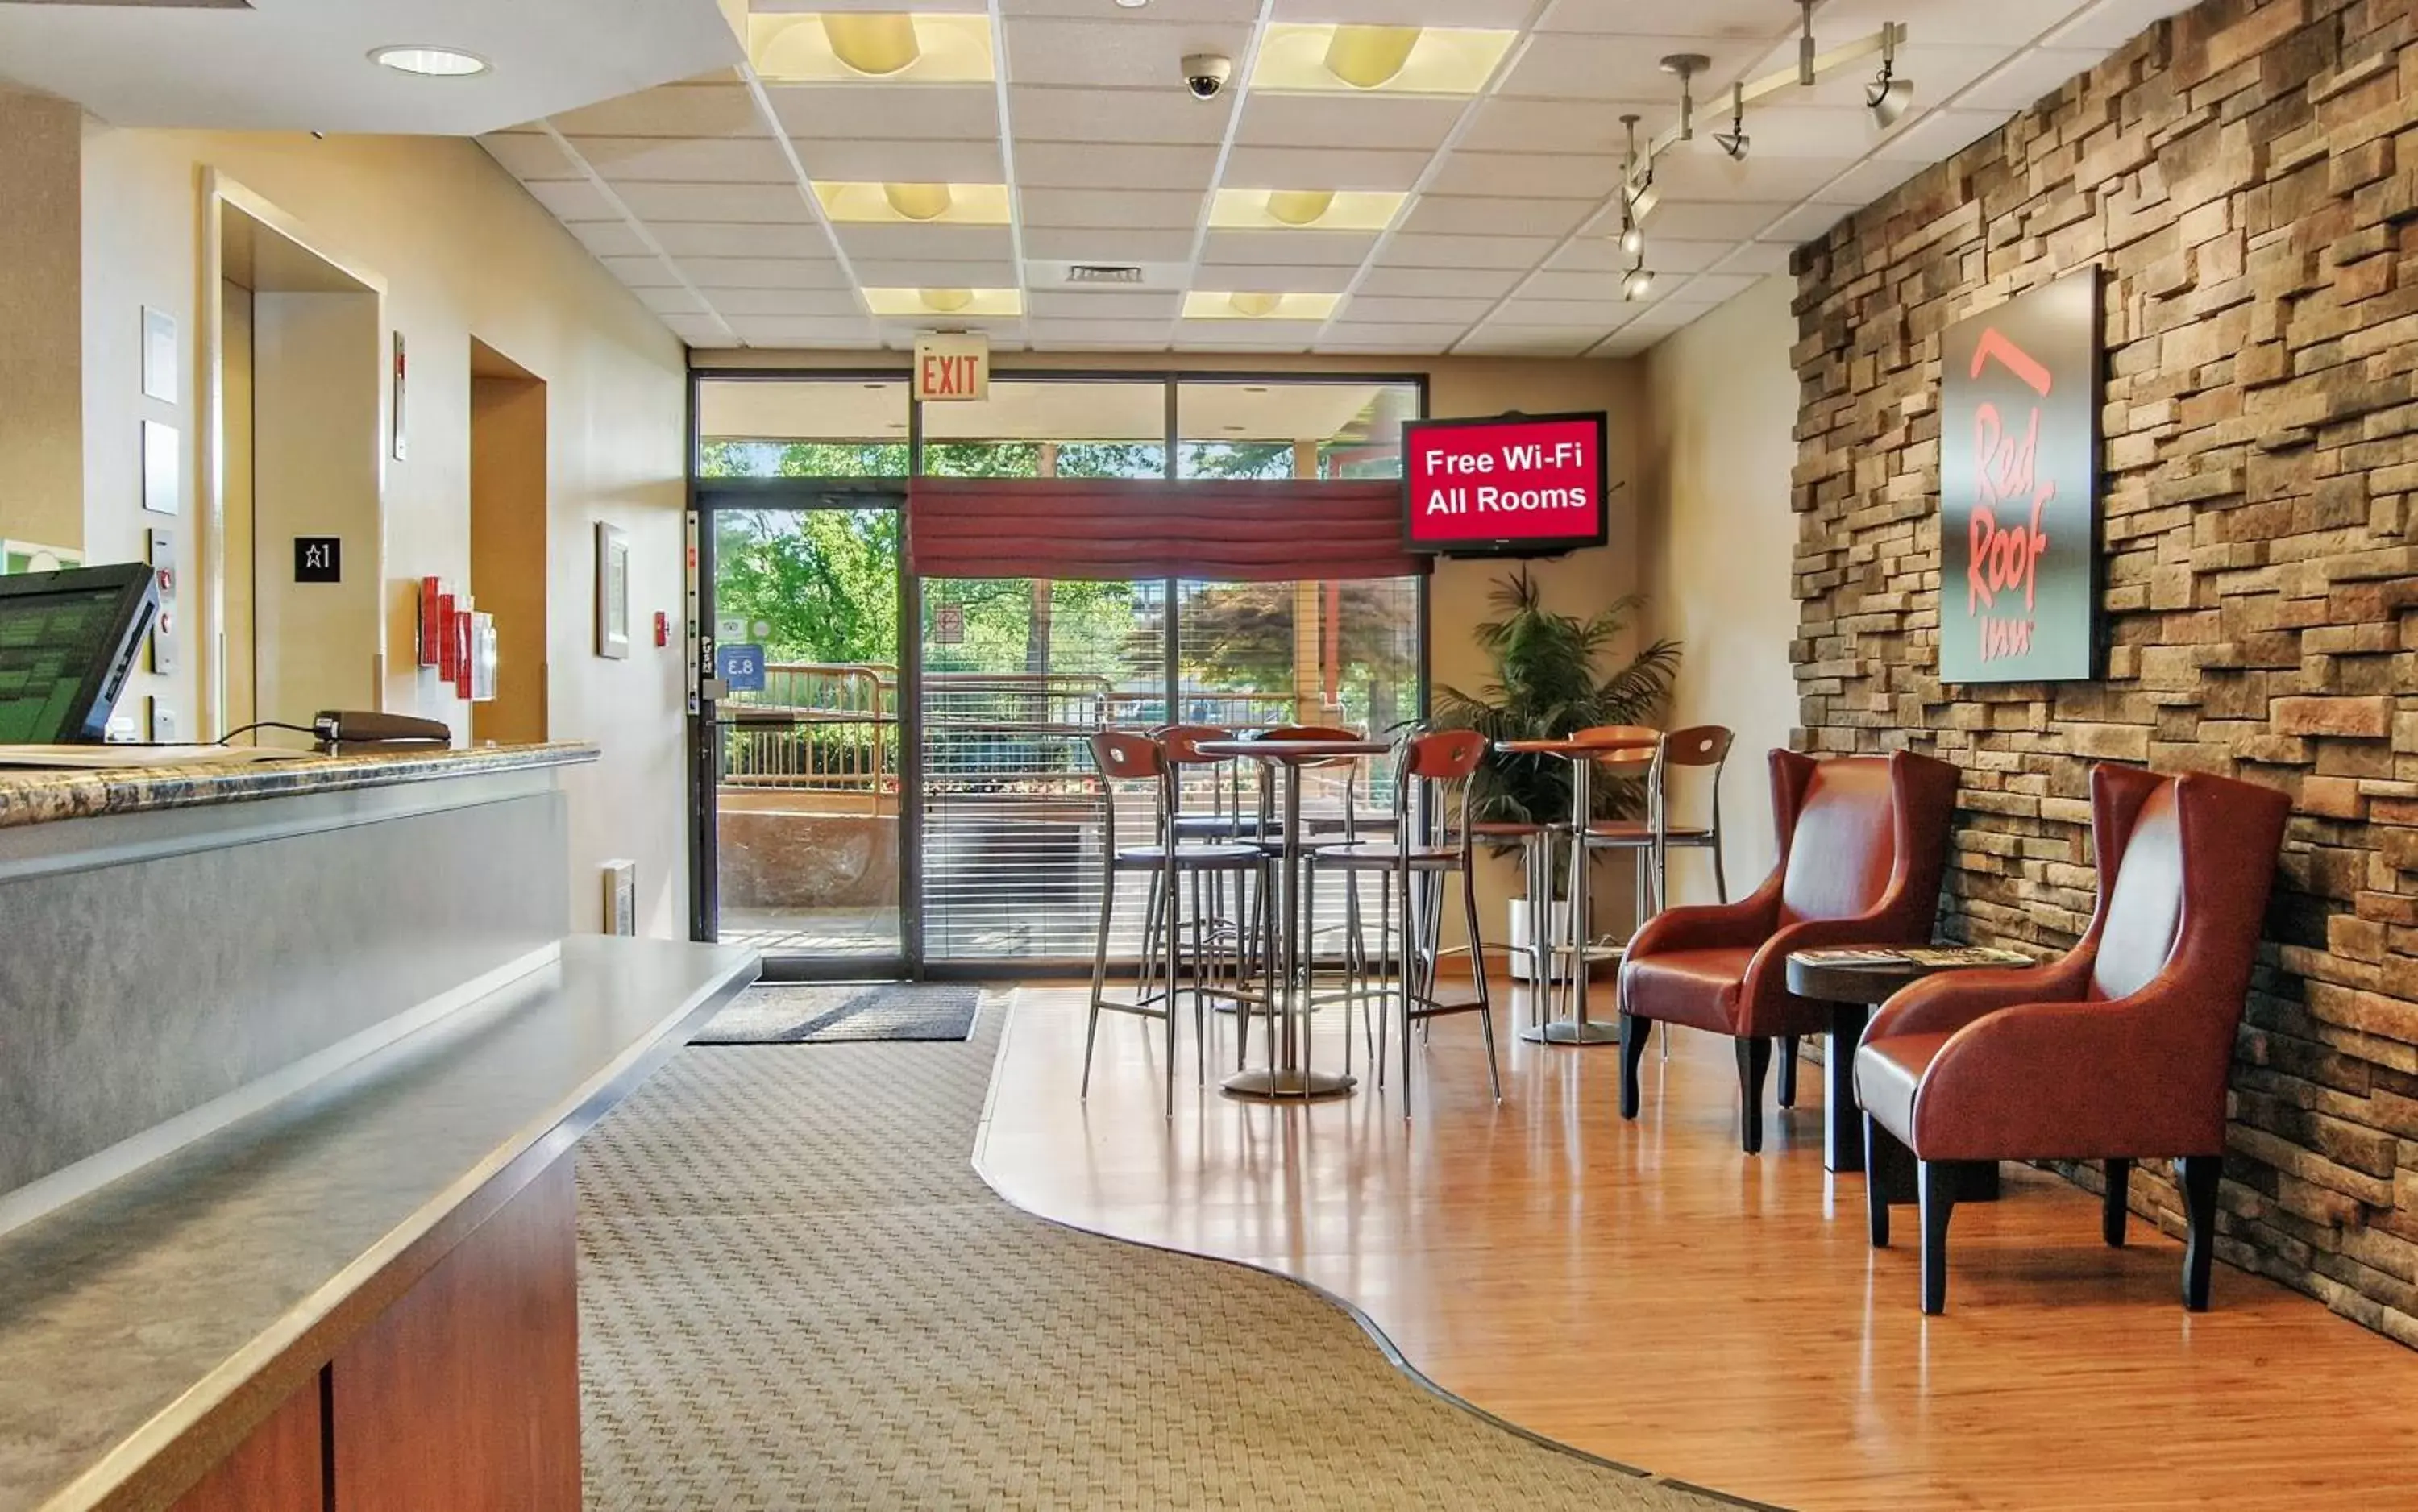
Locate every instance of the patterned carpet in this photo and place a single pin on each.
(796, 1293)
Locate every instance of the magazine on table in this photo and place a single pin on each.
(1932, 956)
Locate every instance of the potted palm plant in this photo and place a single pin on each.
(1548, 682)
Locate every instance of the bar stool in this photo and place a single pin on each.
(1226, 823)
(1653, 838)
(1426, 849)
(1121, 756)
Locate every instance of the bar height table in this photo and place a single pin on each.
(1582, 755)
(1288, 1075)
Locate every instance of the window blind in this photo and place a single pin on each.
(1118, 530)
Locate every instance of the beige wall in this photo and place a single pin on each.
(1718, 537)
(1580, 582)
(41, 335)
(460, 250)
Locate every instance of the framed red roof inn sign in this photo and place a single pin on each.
(2019, 563)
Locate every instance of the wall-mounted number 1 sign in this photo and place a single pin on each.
(318, 560)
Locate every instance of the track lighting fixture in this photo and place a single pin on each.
(1633, 236)
(1687, 66)
(1805, 74)
(1887, 95)
(1639, 284)
(1634, 197)
(1733, 142)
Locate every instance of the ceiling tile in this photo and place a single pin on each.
(693, 160)
(1142, 209)
(1348, 247)
(2026, 77)
(615, 237)
(1166, 10)
(1411, 250)
(1593, 315)
(802, 330)
(1496, 15)
(934, 273)
(1440, 282)
(1530, 340)
(1596, 256)
(1113, 52)
(699, 331)
(1108, 245)
(1477, 217)
(1940, 135)
(673, 110)
(1705, 221)
(1535, 175)
(1292, 278)
(645, 271)
(1346, 168)
(1253, 335)
(1154, 331)
(574, 199)
(1733, 19)
(1415, 122)
(1548, 126)
(734, 303)
(711, 273)
(736, 204)
(944, 112)
(1622, 68)
(902, 161)
(1716, 288)
(1102, 304)
(2111, 23)
(954, 243)
(1382, 310)
(1107, 165)
(1683, 175)
(672, 301)
(723, 238)
(1804, 224)
(529, 154)
(1159, 115)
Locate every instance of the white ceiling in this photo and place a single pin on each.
(303, 64)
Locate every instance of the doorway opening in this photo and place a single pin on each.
(507, 542)
(297, 432)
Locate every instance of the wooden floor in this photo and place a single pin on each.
(1646, 1292)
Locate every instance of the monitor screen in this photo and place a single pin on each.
(66, 641)
(1503, 486)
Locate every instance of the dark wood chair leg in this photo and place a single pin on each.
(1789, 1070)
(1938, 1195)
(1755, 1063)
(1876, 1203)
(2113, 1206)
(2199, 1174)
(1634, 1031)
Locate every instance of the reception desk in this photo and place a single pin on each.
(291, 1060)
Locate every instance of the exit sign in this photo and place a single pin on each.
(955, 366)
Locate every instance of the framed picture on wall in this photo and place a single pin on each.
(2019, 483)
(612, 591)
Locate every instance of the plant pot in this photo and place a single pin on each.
(1523, 915)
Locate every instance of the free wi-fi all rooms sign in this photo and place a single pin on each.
(2019, 480)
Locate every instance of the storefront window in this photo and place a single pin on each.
(802, 428)
(1248, 429)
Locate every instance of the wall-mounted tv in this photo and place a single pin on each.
(1503, 486)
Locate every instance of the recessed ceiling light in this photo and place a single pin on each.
(1326, 57)
(914, 204)
(1303, 209)
(1251, 304)
(922, 303)
(429, 62)
(1132, 5)
(875, 45)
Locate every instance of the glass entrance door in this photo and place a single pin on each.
(802, 828)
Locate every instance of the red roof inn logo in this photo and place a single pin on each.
(2019, 489)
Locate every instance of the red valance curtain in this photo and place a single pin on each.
(1114, 529)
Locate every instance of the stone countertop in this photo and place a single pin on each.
(30, 795)
(128, 1316)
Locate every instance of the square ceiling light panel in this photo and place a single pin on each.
(1354, 59)
(1304, 209)
(981, 204)
(855, 47)
(1204, 304)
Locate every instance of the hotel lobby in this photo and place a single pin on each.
(1208, 753)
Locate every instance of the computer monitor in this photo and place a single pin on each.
(67, 640)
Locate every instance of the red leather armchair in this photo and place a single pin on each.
(1863, 841)
(2120, 1050)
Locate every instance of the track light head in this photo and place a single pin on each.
(1632, 240)
(1732, 142)
(1887, 95)
(1638, 285)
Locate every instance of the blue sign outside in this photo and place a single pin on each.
(741, 666)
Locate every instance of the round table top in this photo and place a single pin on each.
(1612, 746)
(1869, 983)
(1294, 752)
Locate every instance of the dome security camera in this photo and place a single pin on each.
(1206, 74)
